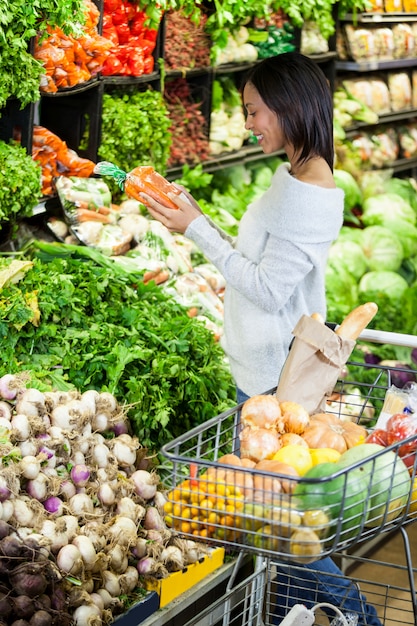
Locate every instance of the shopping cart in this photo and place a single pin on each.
(250, 511)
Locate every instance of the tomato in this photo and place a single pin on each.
(402, 426)
(379, 436)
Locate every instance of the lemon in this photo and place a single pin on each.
(324, 455)
(413, 498)
(297, 457)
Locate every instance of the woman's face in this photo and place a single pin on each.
(261, 121)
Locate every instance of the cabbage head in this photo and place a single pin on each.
(347, 256)
(382, 283)
(387, 207)
(353, 194)
(341, 293)
(382, 248)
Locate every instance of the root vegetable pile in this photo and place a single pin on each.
(80, 509)
(187, 46)
(188, 130)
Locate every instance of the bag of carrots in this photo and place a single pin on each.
(142, 179)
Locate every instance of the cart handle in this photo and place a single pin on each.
(383, 336)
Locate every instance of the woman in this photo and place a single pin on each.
(275, 270)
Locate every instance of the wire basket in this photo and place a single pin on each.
(258, 600)
(291, 518)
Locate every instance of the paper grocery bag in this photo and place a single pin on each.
(313, 365)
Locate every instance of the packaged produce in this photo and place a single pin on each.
(142, 179)
(400, 91)
(407, 136)
(373, 92)
(404, 45)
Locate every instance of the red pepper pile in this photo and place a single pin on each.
(124, 25)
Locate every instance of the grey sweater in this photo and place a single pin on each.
(274, 271)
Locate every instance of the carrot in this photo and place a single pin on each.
(144, 179)
(158, 276)
(85, 215)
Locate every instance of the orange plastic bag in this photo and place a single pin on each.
(142, 179)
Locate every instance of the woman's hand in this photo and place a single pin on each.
(176, 220)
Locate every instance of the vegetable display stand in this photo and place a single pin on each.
(140, 611)
(296, 520)
(17, 123)
(75, 116)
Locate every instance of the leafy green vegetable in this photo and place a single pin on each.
(20, 21)
(387, 207)
(100, 327)
(353, 194)
(135, 130)
(376, 284)
(20, 183)
(347, 257)
(382, 248)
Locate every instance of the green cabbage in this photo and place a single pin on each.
(353, 194)
(382, 248)
(382, 283)
(341, 293)
(348, 256)
(387, 207)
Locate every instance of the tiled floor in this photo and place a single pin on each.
(388, 576)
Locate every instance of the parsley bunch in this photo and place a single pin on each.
(101, 328)
(20, 182)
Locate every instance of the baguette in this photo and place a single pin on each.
(318, 317)
(357, 320)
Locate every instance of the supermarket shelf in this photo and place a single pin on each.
(69, 91)
(247, 154)
(373, 65)
(380, 18)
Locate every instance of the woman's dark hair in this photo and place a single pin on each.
(296, 89)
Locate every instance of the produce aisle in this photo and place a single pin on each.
(110, 325)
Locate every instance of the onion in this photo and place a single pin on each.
(89, 399)
(153, 519)
(145, 483)
(101, 455)
(258, 444)
(262, 411)
(87, 615)
(7, 510)
(108, 599)
(60, 416)
(38, 487)
(150, 566)
(124, 449)
(106, 495)
(111, 582)
(21, 427)
(80, 475)
(67, 524)
(5, 424)
(80, 504)
(128, 508)
(123, 530)
(97, 600)
(100, 422)
(86, 549)
(67, 489)
(5, 411)
(120, 428)
(129, 580)
(173, 558)
(30, 466)
(54, 505)
(69, 559)
(118, 560)
(28, 448)
(57, 537)
(106, 402)
(4, 489)
(22, 511)
(8, 387)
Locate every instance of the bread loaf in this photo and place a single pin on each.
(356, 321)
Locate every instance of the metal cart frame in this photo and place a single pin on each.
(251, 601)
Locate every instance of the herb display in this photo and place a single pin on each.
(20, 182)
(20, 72)
(135, 130)
(78, 318)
